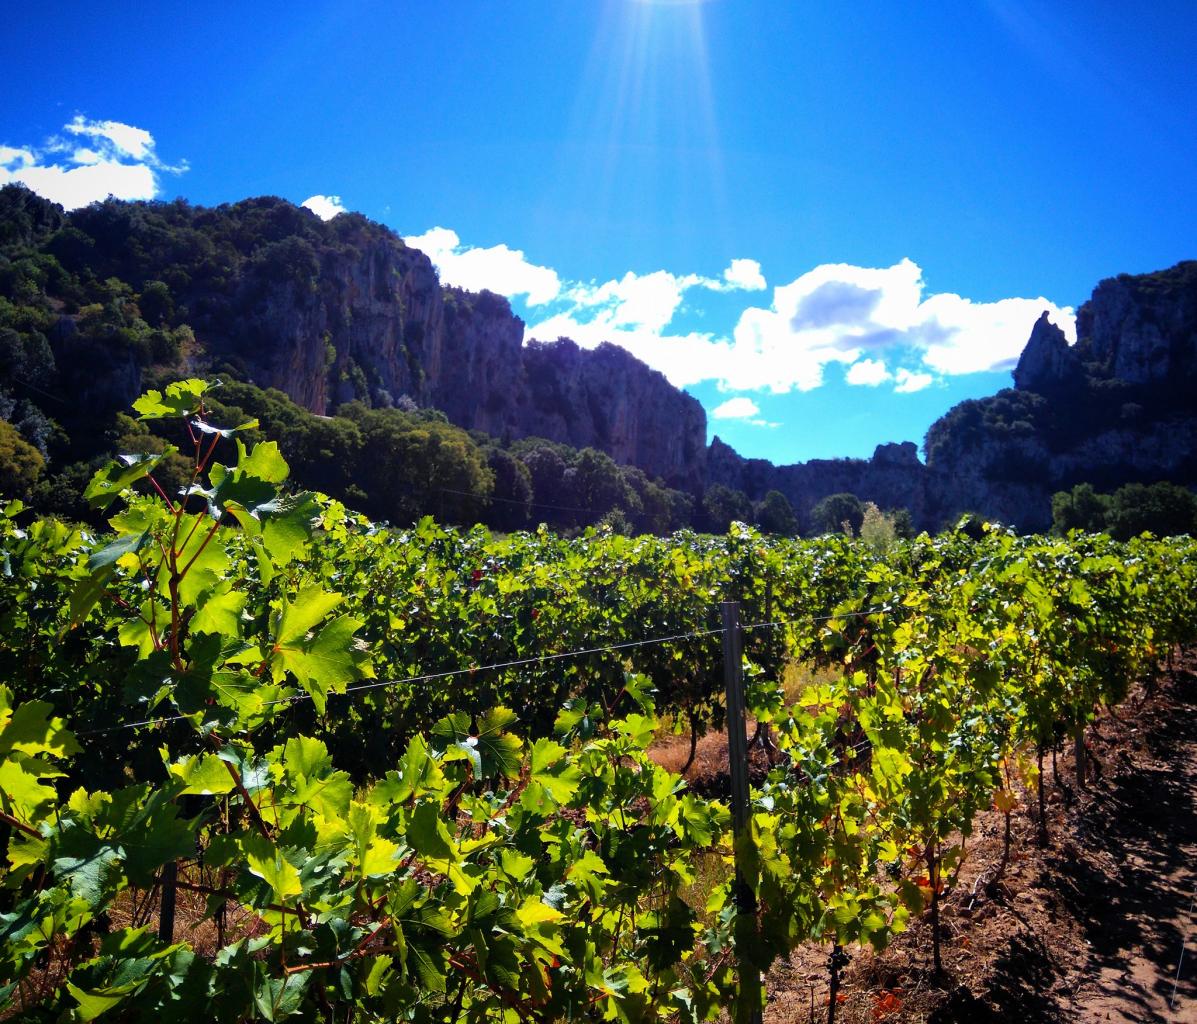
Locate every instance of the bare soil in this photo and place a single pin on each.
(1101, 925)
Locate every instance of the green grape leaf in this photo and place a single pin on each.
(30, 729)
(220, 612)
(492, 750)
(551, 776)
(264, 461)
(205, 775)
(297, 618)
(266, 861)
(306, 757)
(328, 662)
(23, 792)
(181, 398)
(103, 559)
(110, 481)
(92, 1004)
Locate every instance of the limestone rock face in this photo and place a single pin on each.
(1143, 329)
(902, 454)
(377, 324)
(1115, 408)
(1047, 363)
(608, 399)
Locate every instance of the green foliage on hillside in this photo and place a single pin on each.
(1008, 416)
(775, 514)
(1163, 509)
(838, 513)
(20, 463)
(722, 506)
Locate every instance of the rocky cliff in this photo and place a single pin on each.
(1142, 329)
(331, 312)
(1116, 407)
(378, 326)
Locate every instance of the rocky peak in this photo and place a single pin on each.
(900, 454)
(1048, 363)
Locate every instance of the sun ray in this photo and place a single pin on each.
(644, 141)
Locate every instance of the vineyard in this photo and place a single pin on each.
(407, 772)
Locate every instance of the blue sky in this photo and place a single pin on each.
(829, 222)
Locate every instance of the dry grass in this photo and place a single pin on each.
(138, 908)
(800, 676)
(711, 870)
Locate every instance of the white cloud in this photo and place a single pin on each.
(907, 381)
(635, 301)
(961, 336)
(856, 315)
(868, 372)
(324, 207)
(634, 311)
(736, 409)
(742, 408)
(635, 304)
(496, 268)
(119, 160)
(124, 139)
(684, 358)
(11, 156)
(744, 274)
(866, 318)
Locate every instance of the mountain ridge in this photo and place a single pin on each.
(342, 311)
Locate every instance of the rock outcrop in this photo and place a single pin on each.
(1048, 363)
(1117, 407)
(893, 478)
(374, 323)
(1143, 328)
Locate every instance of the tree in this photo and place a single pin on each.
(654, 510)
(681, 510)
(156, 304)
(903, 522)
(597, 484)
(838, 513)
(20, 463)
(512, 496)
(417, 468)
(775, 514)
(722, 506)
(1163, 509)
(1082, 508)
(546, 469)
(877, 529)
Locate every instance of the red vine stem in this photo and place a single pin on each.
(16, 823)
(252, 807)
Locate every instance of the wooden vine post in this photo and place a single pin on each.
(749, 1010)
(166, 910)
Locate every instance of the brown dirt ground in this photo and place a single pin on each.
(1089, 929)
